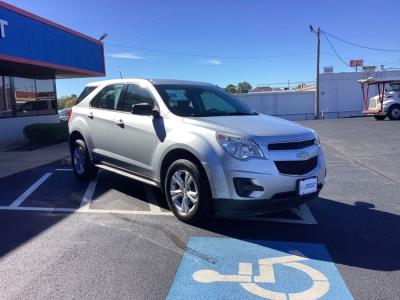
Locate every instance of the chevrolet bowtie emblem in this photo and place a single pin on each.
(303, 155)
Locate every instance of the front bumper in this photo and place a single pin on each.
(374, 112)
(278, 193)
(279, 202)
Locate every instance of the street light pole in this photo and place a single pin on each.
(316, 103)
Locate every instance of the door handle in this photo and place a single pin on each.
(90, 115)
(120, 123)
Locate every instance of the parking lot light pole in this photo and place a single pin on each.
(316, 104)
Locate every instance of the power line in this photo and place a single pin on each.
(369, 61)
(334, 50)
(358, 45)
(349, 58)
(208, 56)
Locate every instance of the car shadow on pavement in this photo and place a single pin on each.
(355, 235)
(61, 190)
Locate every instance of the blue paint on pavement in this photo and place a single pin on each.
(223, 256)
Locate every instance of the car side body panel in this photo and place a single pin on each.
(147, 141)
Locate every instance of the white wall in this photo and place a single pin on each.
(11, 128)
(287, 104)
(340, 96)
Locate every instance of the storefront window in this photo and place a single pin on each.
(6, 109)
(46, 97)
(25, 96)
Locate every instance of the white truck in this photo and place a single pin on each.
(386, 103)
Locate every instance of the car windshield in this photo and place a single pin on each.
(395, 87)
(201, 101)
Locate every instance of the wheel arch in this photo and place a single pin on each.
(175, 154)
(75, 135)
(395, 104)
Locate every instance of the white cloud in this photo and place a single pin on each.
(125, 55)
(212, 61)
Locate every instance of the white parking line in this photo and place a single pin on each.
(87, 198)
(152, 199)
(85, 209)
(96, 211)
(303, 212)
(30, 190)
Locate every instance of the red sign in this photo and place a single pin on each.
(356, 63)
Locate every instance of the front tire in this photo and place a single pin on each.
(394, 112)
(82, 164)
(379, 117)
(187, 191)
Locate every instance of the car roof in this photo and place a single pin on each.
(153, 81)
(175, 81)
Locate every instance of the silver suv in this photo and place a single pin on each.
(207, 151)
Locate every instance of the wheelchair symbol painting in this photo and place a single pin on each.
(248, 280)
(228, 268)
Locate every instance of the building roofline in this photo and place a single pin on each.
(47, 22)
(49, 65)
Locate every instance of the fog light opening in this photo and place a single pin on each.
(245, 186)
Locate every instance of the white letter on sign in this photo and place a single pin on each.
(2, 28)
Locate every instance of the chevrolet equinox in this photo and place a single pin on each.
(207, 151)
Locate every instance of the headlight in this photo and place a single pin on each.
(317, 140)
(239, 147)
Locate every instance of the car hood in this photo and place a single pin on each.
(261, 128)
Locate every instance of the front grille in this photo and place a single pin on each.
(291, 145)
(297, 167)
(373, 103)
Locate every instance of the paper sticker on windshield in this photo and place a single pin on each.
(176, 95)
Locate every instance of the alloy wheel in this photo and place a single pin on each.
(79, 160)
(183, 192)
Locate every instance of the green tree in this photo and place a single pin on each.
(244, 87)
(67, 101)
(230, 88)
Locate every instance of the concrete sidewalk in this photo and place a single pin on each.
(12, 162)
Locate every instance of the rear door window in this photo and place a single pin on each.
(108, 97)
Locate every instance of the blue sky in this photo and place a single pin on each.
(220, 30)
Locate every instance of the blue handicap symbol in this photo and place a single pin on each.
(227, 268)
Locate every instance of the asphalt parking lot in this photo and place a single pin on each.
(114, 238)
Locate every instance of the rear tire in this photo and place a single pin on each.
(394, 112)
(187, 191)
(379, 117)
(82, 164)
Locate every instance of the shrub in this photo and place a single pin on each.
(46, 134)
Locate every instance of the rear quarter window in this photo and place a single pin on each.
(86, 91)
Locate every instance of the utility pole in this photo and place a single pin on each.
(316, 103)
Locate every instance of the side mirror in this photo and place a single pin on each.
(144, 109)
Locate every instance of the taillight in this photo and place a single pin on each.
(69, 113)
